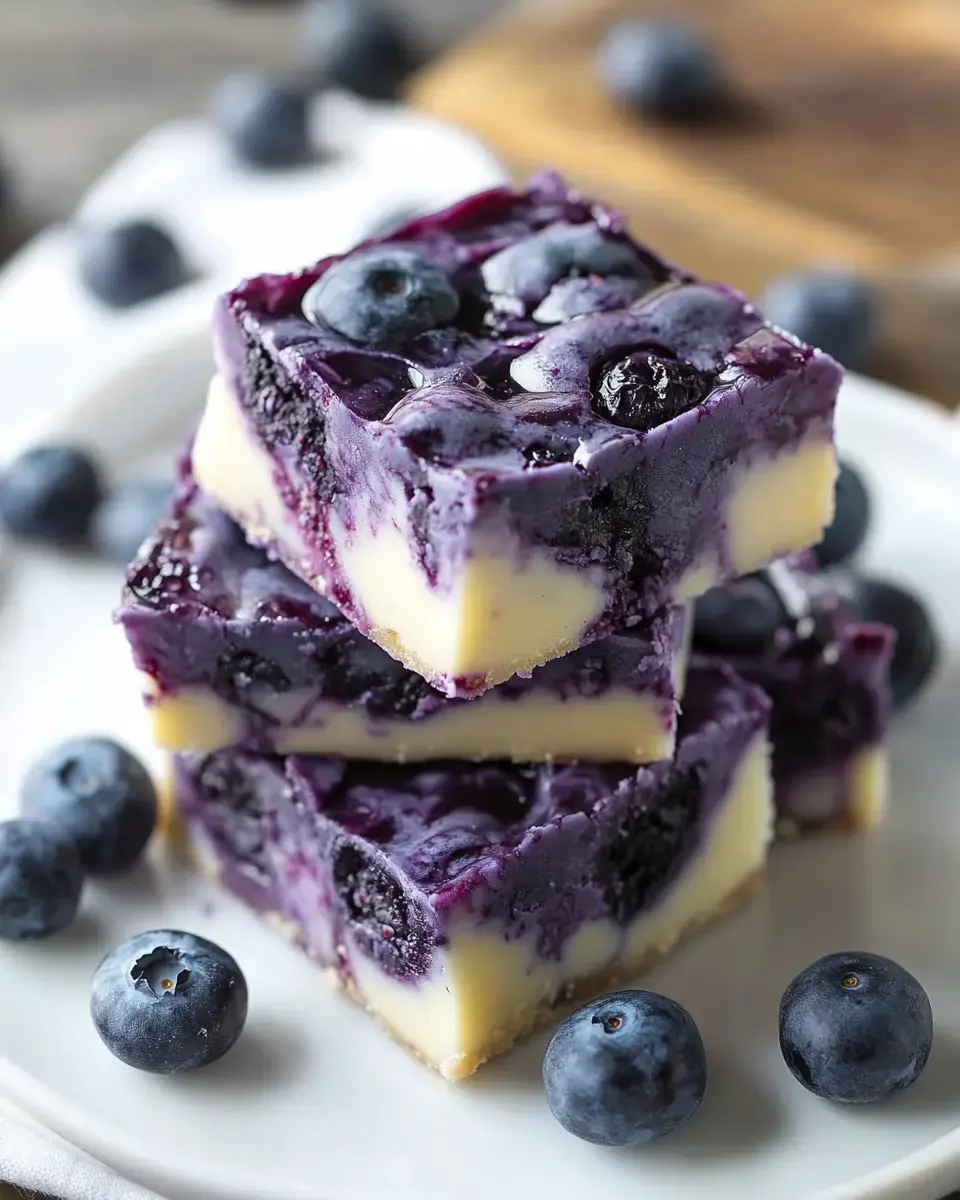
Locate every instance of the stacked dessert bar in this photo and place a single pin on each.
(417, 624)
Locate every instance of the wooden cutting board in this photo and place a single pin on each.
(843, 146)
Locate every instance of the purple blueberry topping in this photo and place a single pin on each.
(49, 494)
(98, 794)
(645, 390)
(41, 880)
(579, 295)
(625, 1069)
(662, 68)
(129, 263)
(263, 121)
(855, 1027)
(168, 1002)
(381, 295)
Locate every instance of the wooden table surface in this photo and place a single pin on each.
(81, 79)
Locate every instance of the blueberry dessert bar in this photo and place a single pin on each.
(796, 633)
(234, 650)
(459, 902)
(507, 430)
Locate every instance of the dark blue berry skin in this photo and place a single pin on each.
(834, 310)
(265, 123)
(40, 880)
(855, 1027)
(100, 795)
(662, 68)
(125, 518)
(738, 618)
(382, 295)
(356, 45)
(848, 530)
(625, 1069)
(123, 265)
(168, 1002)
(916, 652)
(645, 390)
(49, 494)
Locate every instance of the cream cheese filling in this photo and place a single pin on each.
(854, 796)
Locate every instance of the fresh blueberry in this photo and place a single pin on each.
(168, 1002)
(645, 390)
(625, 1069)
(834, 310)
(738, 618)
(855, 1027)
(264, 122)
(527, 270)
(663, 68)
(49, 494)
(125, 264)
(356, 45)
(98, 794)
(917, 649)
(40, 880)
(126, 517)
(380, 295)
(848, 530)
(579, 295)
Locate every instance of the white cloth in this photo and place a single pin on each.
(35, 1160)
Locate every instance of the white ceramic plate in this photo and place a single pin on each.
(316, 1104)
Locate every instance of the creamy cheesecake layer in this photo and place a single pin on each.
(505, 608)
(234, 650)
(620, 726)
(460, 902)
(486, 993)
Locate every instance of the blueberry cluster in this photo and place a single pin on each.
(631, 1066)
(55, 495)
(166, 1001)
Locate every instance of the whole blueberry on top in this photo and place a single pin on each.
(382, 295)
(49, 494)
(527, 270)
(126, 517)
(125, 264)
(855, 1027)
(99, 794)
(645, 390)
(834, 310)
(357, 45)
(916, 651)
(625, 1069)
(40, 880)
(740, 617)
(168, 1002)
(851, 521)
(265, 122)
(661, 67)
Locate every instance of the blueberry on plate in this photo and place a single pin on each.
(625, 1069)
(740, 617)
(917, 648)
(99, 794)
(264, 122)
(357, 45)
(381, 295)
(855, 1027)
(645, 390)
(663, 68)
(49, 493)
(834, 310)
(123, 265)
(126, 518)
(40, 880)
(848, 530)
(168, 1002)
